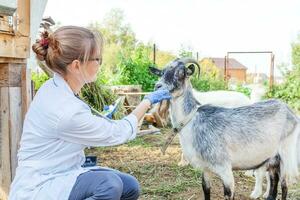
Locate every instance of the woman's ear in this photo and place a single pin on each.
(75, 66)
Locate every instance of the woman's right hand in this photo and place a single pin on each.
(158, 96)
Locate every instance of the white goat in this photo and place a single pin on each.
(220, 140)
(227, 99)
(262, 172)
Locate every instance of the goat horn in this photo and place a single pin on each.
(191, 60)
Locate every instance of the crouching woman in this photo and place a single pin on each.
(59, 125)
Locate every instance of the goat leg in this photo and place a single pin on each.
(284, 189)
(206, 185)
(274, 179)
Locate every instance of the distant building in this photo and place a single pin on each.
(235, 70)
(257, 78)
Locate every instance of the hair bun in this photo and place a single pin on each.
(41, 46)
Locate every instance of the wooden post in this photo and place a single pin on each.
(154, 53)
(5, 175)
(272, 71)
(15, 98)
(15, 92)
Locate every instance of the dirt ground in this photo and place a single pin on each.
(161, 178)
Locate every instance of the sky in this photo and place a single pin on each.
(210, 27)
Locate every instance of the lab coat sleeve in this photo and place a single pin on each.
(85, 128)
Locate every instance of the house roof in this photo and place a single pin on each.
(233, 63)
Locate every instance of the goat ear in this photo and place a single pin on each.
(155, 71)
(190, 70)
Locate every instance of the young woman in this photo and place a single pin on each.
(58, 126)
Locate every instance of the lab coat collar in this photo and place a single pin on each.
(59, 81)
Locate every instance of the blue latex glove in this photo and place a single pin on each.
(109, 110)
(158, 96)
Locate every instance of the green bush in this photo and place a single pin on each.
(242, 89)
(38, 79)
(94, 94)
(205, 83)
(97, 96)
(289, 90)
(134, 70)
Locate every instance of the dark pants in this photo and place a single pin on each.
(105, 184)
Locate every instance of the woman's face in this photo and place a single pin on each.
(85, 72)
(92, 67)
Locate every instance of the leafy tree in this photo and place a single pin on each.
(115, 30)
(185, 51)
(164, 57)
(38, 79)
(289, 91)
(206, 83)
(208, 68)
(119, 39)
(135, 69)
(209, 78)
(283, 68)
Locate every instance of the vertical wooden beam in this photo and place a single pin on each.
(26, 90)
(15, 125)
(10, 74)
(23, 11)
(15, 92)
(11, 128)
(272, 71)
(5, 173)
(154, 53)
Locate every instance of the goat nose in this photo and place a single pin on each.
(157, 86)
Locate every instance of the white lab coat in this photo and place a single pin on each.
(57, 128)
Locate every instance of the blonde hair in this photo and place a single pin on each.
(66, 44)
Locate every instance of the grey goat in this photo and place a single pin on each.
(219, 140)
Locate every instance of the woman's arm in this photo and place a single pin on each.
(79, 125)
(141, 109)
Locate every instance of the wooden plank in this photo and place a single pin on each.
(132, 99)
(12, 60)
(17, 45)
(26, 90)
(23, 11)
(5, 27)
(10, 75)
(5, 168)
(15, 109)
(14, 46)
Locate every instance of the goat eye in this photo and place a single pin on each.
(180, 74)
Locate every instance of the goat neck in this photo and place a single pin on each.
(183, 105)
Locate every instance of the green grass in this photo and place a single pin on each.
(165, 181)
(139, 141)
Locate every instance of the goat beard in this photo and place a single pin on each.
(159, 114)
(162, 109)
